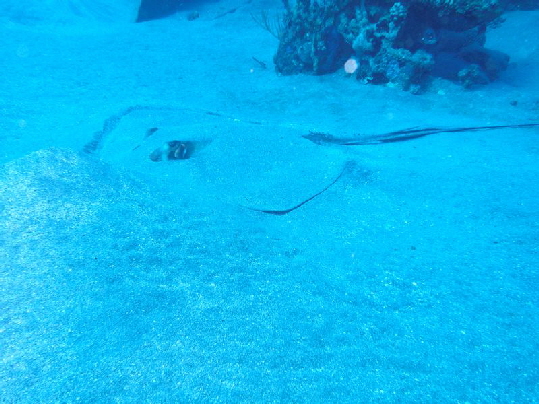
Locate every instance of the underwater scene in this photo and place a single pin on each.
(269, 201)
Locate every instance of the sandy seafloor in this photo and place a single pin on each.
(413, 279)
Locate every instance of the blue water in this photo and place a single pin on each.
(412, 279)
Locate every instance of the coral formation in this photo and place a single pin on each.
(402, 44)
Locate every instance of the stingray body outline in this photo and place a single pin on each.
(347, 166)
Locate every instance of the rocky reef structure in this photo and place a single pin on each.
(402, 44)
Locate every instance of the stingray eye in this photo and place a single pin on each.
(177, 153)
(183, 151)
(178, 150)
(180, 153)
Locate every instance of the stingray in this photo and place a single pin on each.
(166, 149)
